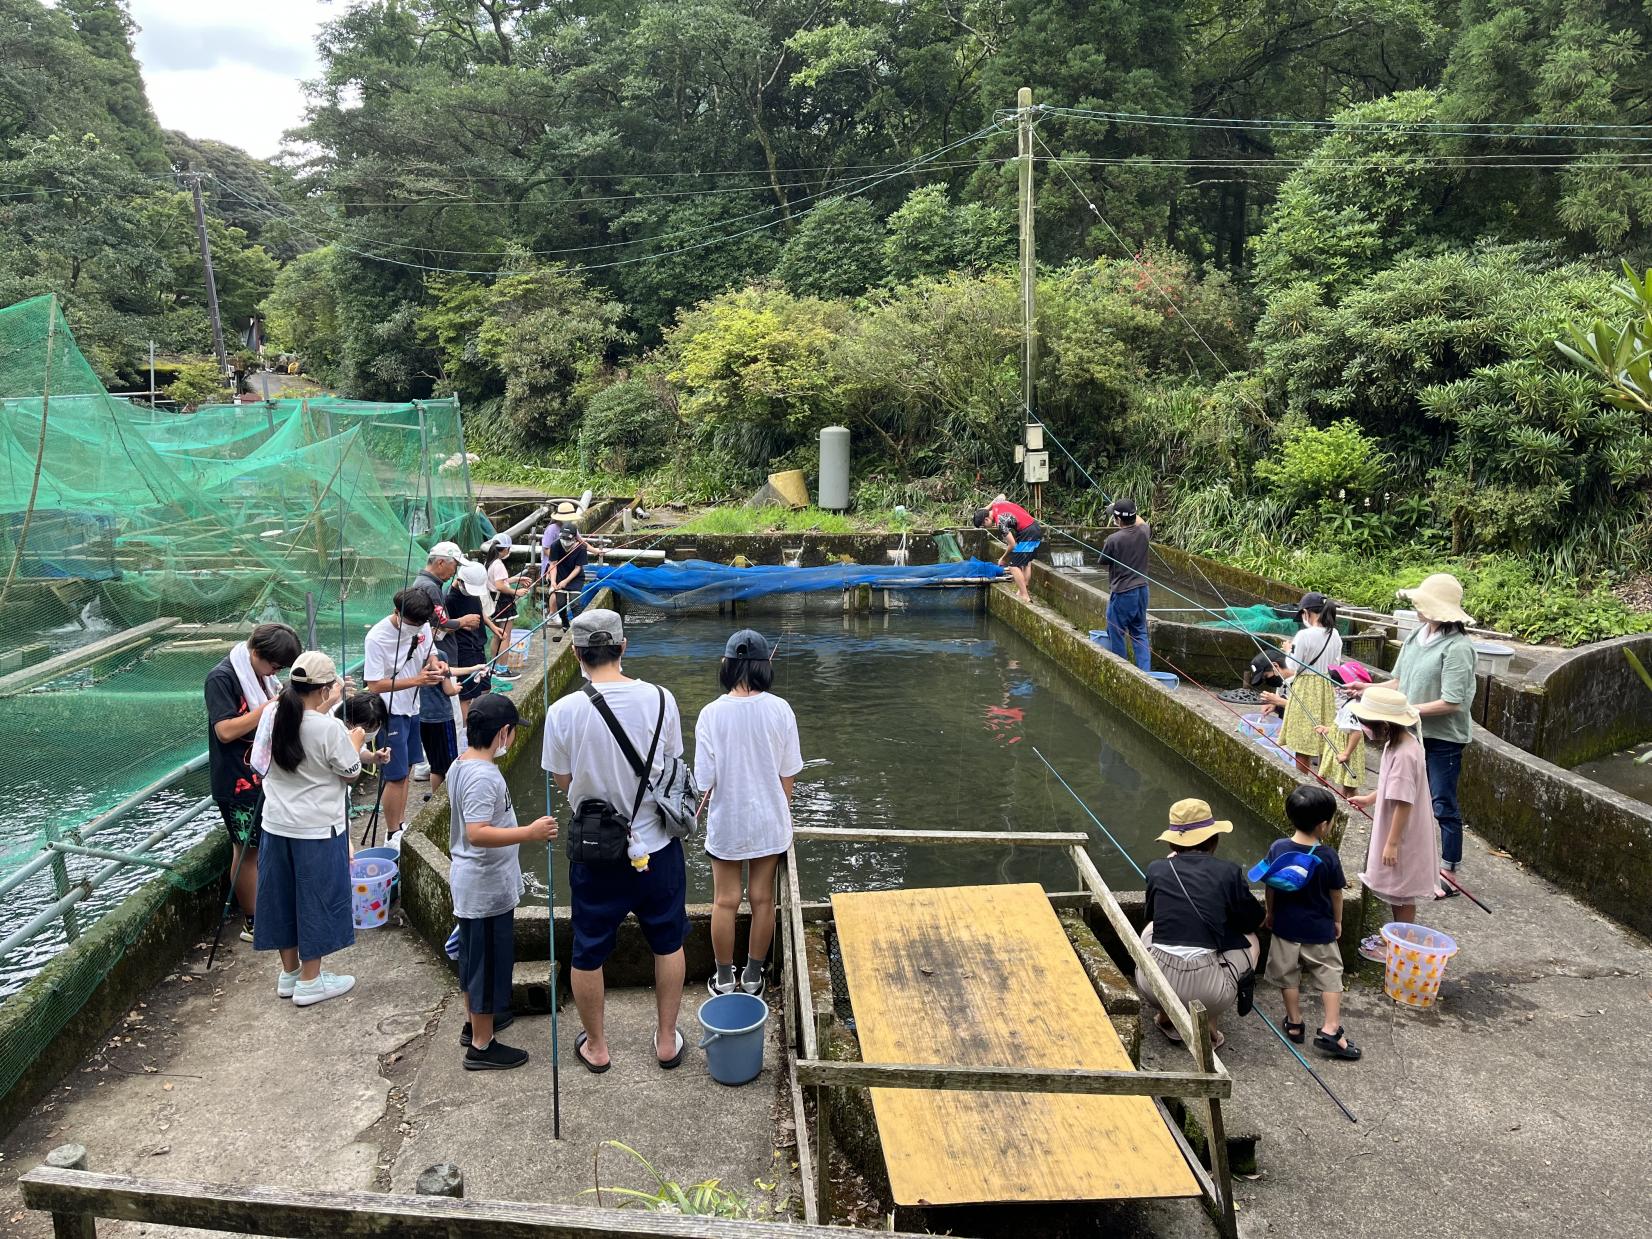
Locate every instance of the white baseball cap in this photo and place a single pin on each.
(447, 550)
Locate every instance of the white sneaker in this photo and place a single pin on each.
(308, 993)
(285, 983)
(421, 772)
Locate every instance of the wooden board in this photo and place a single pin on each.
(984, 976)
(62, 664)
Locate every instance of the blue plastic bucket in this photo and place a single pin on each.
(1165, 678)
(390, 854)
(735, 1027)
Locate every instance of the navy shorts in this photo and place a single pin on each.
(440, 742)
(304, 895)
(401, 737)
(603, 895)
(487, 951)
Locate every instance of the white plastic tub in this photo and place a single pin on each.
(1492, 657)
(1406, 622)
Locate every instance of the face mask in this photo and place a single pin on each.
(505, 747)
(370, 740)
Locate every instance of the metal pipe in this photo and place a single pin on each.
(84, 888)
(525, 522)
(105, 820)
(75, 849)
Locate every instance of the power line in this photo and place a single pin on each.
(896, 171)
(1527, 130)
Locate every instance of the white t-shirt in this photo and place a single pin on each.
(578, 742)
(498, 575)
(743, 747)
(1316, 648)
(387, 642)
(309, 803)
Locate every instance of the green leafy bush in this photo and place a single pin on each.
(1313, 464)
(627, 426)
(837, 251)
(198, 382)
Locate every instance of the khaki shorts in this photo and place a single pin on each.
(1318, 963)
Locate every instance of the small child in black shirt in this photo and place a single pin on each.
(1307, 921)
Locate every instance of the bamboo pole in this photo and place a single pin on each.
(39, 453)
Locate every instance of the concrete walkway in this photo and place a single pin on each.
(1517, 1106)
(215, 1078)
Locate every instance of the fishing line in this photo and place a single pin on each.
(550, 908)
(1110, 836)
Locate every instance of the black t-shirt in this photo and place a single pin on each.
(1126, 551)
(1305, 915)
(469, 644)
(234, 781)
(569, 559)
(1219, 892)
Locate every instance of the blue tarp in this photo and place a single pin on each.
(698, 582)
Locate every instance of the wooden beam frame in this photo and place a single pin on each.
(1198, 1085)
(62, 664)
(1031, 838)
(76, 1197)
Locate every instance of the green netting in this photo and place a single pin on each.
(1260, 619)
(112, 515)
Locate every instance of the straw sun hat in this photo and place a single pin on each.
(1191, 823)
(1380, 704)
(1440, 599)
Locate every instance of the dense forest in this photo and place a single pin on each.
(1341, 292)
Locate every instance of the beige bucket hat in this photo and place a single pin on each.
(1381, 704)
(1440, 599)
(1191, 823)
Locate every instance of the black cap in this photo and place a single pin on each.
(492, 712)
(1312, 601)
(1124, 507)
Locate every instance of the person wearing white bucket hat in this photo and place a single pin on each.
(304, 865)
(1435, 671)
(1402, 862)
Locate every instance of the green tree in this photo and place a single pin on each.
(302, 313)
(837, 251)
(105, 29)
(198, 383)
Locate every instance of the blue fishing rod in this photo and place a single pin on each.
(1273, 1028)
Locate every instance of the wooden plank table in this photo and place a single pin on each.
(984, 976)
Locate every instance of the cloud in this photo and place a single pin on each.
(229, 71)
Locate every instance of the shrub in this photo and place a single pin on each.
(198, 382)
(1312, 464)
(627, 427)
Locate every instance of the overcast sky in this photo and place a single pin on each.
(229, 69)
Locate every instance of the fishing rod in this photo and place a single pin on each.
(1307, 1066)
(550, 909)
(1463, 890)
(1283, 1040)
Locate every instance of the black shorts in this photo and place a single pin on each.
(1027, 543)
(504, 607)
(441, 745)
(244, 820)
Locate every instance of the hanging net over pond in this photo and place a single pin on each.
(699, 583)
(113, 515)
(1259, 619)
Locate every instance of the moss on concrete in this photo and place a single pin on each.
(83, 991)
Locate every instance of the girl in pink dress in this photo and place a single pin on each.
(1402, 865)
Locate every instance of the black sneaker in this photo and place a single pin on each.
(497, 1057)
(500, 1023)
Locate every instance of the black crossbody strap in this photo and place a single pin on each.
(638, 766)
(1216, 937)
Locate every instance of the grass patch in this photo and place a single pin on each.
(773, 520)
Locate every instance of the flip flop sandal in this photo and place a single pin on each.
(579, 1053)
(1297, 1032)
(1447, 891)
(676, 1060)
(1336, 1045)
(1168, 1029)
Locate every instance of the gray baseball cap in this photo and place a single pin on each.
(748, 643)
(597, 627)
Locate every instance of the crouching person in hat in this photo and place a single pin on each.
(304, 864)
(1201, 918)
(605, 745)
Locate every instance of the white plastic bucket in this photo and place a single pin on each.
(370, 882)
(1416, 963)
(1492, 657)
(1406, 622)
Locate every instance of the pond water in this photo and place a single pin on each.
(1621, 773)
(927, 718)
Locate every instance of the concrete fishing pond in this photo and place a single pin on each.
(938, 688)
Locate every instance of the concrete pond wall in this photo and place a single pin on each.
(61, 1015)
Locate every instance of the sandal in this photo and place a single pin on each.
(1168, 1029)
(1374, 948)
(1297, 1032)
(579, 1053)
(1336, 1045)
(1447, 891)
(669, 1064)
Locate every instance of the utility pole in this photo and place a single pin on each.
(1029, 272)
(211, 283)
